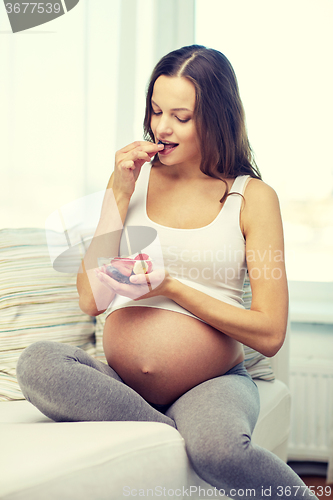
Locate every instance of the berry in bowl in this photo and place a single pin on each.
(121, 268)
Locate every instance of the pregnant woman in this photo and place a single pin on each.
(174, 337)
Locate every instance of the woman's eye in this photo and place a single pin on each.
(157, 113)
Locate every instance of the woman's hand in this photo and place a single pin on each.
(143, 286)
(128, 163)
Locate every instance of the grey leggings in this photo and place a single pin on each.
(215, 418)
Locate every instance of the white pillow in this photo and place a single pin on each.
(36, 303)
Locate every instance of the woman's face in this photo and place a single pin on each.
(172, 121)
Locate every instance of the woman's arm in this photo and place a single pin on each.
(263, 327)
(95, 297)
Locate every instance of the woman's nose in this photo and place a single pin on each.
(163, 126)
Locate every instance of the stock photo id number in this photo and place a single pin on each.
(26, 15)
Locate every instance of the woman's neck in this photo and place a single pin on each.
(182, 171)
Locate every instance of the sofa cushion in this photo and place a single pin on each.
(104, 460)
(111, 460)
(36, 303)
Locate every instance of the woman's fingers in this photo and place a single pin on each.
(155, 278)
(141, 284)
(127, 164)
(129, 161)
(142, 145)
(144, 153)
(130, 291)
(138, 155)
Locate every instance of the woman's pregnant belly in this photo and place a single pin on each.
(162, 354)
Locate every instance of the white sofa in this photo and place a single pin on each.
(41, 459)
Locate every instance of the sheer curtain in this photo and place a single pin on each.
(44, 102)
(58, 93)
(72, 92)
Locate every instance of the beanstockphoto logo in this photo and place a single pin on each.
(25, 15)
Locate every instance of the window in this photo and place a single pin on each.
(58, 100)
(72, 92)
(281, 52)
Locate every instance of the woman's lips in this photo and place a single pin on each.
(168, 148)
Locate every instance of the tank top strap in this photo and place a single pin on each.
(232, 206)
(240, 184)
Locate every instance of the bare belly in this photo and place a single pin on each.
(162, 354)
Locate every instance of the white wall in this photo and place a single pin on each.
(281, 51)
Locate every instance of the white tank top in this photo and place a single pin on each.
(210, 259)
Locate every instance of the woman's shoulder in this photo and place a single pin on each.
(259, 192)
(260, 205)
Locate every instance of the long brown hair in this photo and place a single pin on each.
(218, 114)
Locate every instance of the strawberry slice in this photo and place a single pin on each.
(142, 256)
